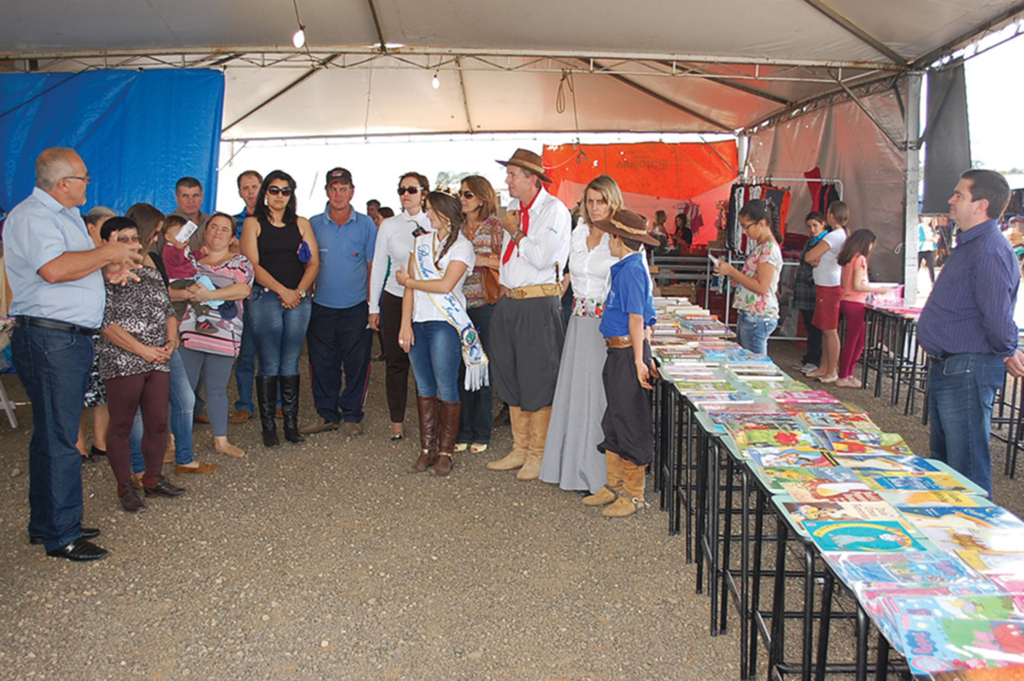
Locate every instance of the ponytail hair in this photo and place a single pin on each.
(763, 209)
(859, 243)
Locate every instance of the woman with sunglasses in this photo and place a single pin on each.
(483, 229)
(571, 458)
(395, 240)
(283, 251)
(140, 333)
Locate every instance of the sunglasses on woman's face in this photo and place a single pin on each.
(467, 194)
(408, 190)
(283, 191)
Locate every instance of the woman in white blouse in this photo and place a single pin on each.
(571, 457)
(394, 244)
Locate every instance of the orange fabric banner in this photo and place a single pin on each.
(655, 169)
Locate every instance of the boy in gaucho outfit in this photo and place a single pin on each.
(628, 425)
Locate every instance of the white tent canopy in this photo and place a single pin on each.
(658, 65)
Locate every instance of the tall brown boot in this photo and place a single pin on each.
(427, 407)
(612, 488)
(538, 434)
(520, 441)
(450, 413)
(632, 499)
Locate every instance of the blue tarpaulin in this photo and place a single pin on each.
(138, 132)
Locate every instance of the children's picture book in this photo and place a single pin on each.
(899, 606)
(802, 512)
(771, 437)
(805, 396)
(819, 407)
(961, 517)
(853, 441)
(708, 400)
(687, 387)
(993, 563)
(987, 674)
(826, 490)
(874, 536)
(781, 457)
(895, 463)
(900, 571)
(978, 539)
(771, 387)
(856, 420)
(741, 407)
(934, 644)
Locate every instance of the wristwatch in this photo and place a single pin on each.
(301, 292)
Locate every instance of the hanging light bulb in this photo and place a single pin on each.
(436, 83)
(299, 37)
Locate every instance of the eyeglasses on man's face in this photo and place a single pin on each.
(87, 178)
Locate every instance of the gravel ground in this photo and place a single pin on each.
(327, 561)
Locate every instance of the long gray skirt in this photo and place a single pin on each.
(571, 458)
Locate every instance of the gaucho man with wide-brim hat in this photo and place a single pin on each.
(527, 327)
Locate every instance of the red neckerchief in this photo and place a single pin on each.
(524, 212)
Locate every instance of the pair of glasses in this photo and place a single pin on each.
(467, 194)
(283, 191)
(128, 239)
(87, 178)
(409, 190)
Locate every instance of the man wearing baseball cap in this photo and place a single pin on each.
(338, 336)
(527, 327)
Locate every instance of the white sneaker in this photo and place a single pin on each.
(808, 368)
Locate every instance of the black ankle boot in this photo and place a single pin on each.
(266, 397)
(290, 408)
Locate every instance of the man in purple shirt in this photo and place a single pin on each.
(967, 327)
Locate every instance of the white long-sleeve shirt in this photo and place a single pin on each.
(590, 268)
(394, 245)
(541, 254)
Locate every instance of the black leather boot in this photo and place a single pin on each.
(266, 397)
(290, 408)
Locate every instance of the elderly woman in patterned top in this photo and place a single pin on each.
(139, 334)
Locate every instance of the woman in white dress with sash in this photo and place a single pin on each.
(571, 458)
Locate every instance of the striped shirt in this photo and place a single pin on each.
(970, 310)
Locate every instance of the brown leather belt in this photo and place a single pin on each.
(619, 342)
(538, 291)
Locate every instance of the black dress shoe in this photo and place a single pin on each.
(78, 551)
(96, 451)
(87, 533)
(164, 488)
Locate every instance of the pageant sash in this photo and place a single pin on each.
(473, 355)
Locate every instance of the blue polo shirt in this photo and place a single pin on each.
(346, 252)
(239, 220)
(631, 293)
(38, 230)
(970, 309)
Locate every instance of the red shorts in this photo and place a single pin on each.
(826, 310)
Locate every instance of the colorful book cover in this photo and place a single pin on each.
(801, 512)
(898, 571)
(987, 674)
(894, 463)
(741, 421)
(978, 607)
(857, 420)
(707, 399)
(976, 539)
(696, 386)
(886, 480)
(805, 396)
(825, 490)
(770, 437)
(934, 644)
(743, 407)
(852, 441)
(993, 563)
(771, 387)
(931, 498)
(820, 407)
(875, 536)
(781, 457)
(961, 517)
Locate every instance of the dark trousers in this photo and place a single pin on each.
(527, 344)
(54, 368)
(149, 392)
(927, 257)
(396, 360)
(338, 339)
(477, 418)
(627, 424)
(813, 354)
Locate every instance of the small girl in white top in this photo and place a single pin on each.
(436, 330)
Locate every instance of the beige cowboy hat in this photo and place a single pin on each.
(525, 158)
(627, 225)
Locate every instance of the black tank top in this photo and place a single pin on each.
(279, 252)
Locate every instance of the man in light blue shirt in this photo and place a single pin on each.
(58, 301)
(338, 335)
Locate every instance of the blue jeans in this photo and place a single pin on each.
(279, 333)
(245, 369)
(183, 400)
(54, 368)
(961, 391)
(477, 418)
(752, 331)
(436, 356)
